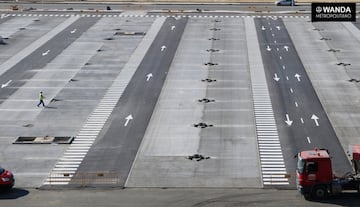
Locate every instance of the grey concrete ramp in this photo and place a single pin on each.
(229, 145)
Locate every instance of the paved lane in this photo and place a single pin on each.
(42, 55)
(116, 150)
(302, 121)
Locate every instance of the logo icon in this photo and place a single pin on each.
(318, 9)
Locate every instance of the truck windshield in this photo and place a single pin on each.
(1, 170)
(300, 165)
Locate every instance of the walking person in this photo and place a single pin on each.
(41, 99)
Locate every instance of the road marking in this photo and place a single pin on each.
(283, 67)
(308, 139)
(286, 48)
(288, 121)
(296, 104)
(268, 48)
(315, 118)
(45, 53)
(276, 78)
(287, 77)
(291, 90)
(173, 27)
(73, 31)
(280, 57)
(297, 76)
(128, 118)
(6, 84)
(163, 48)
(148, 76)
(302, 120)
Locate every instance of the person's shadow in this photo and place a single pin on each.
(14, 193)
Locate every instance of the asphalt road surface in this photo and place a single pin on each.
(193, 197)
(116, 150)
(41, 56)
(301, 119)
(177, 55)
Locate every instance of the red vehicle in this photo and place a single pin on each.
(315, 178)
(7, 180)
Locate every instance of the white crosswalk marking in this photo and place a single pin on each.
(270, 153)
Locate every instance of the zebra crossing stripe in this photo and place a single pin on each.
(270, 153)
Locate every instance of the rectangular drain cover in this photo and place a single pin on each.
(43, 140)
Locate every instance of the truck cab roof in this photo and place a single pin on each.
(314, 154)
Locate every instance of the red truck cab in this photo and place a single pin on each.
(314, 172)
(315, 178)
(7, 180)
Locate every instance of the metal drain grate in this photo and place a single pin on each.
(43, 140)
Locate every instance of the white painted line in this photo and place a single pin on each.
(308, 139)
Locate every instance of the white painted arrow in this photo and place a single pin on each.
(288, 121)
(286, 48)
(45, 53)
(163, 48)
(262, 28)
(298, 77)
(6, 84)
(278, 27)
(73, 31)
(148, 76)
(276, 78)
(268, 48)
(128, 118)
(172, 28)
(315, 118)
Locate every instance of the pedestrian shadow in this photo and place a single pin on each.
(50, 107)
(14, 193)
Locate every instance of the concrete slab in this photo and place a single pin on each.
(171, 136)
(339, 97)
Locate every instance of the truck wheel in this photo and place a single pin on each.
(319, 192)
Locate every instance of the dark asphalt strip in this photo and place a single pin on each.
(115, 150)
(287, 91)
